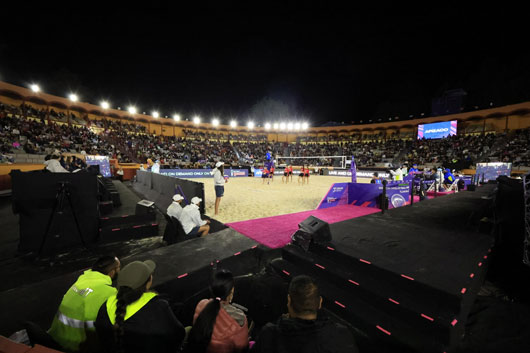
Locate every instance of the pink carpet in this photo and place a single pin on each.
(276, 231)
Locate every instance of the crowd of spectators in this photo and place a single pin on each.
(29, 130)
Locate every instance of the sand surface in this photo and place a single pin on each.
(248, 198)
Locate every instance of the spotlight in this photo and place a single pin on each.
(289, 126)
(155, 114)
(105, 105)
(176, 117)
(250, 124)
(297, 126)
(267, 126)
(196, 120)
(73, 97)
(215, 122)
(35, 88)
(233, 123)
(305, 126)
(276, 126)
(132, 110)
(282, 126)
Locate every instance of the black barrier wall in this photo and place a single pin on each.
(34, 197)
(161, 188)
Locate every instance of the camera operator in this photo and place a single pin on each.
(53, 165)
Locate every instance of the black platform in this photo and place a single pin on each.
(409, 275)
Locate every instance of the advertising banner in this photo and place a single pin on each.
(337, 195)
(367, 194)
(437, 130)
(202, 173)
(360, 173)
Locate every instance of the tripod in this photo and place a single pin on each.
(62, 193)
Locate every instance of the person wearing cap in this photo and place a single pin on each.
(191, 220)
(73, 325)
(137, 319)
(449, 178)
(219, 184)
(175, 209)
(414, 169)
(219, 325)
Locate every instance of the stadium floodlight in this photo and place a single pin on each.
(155, 114)
(305, 126)
(35, 88)
(176, 117)
(267, 126)
(276, 126)
(250, 124)
(104, 105)
(215, 122)
(196, 120)
(132, 110)
(297, 126)
(282, 126)
(290, 126)
(233, 124)
(73, 97)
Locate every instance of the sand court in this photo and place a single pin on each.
(249, 198)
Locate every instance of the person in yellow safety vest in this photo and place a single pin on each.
(73, 325)
(137, 320)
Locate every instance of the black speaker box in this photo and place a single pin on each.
(317, 228)
(145, 207)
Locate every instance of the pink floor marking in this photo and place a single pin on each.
(276, 231)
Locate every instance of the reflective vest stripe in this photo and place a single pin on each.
(68, 321)
(131, 309)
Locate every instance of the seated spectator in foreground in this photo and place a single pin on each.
(191, 220)
(136, 319)
(218, 325)
(73, 326)
(175, 209)
(53, 165)
(304, 328)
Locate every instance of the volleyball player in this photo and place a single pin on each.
(265, 174)
(306, 174)
(301, 175)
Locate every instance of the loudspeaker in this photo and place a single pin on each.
(318, 229)
(145, 207)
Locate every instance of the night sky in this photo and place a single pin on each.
(313, 63)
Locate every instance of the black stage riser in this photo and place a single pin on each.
(123, 233)
(395, 305)
(373, 321)
(127, 220)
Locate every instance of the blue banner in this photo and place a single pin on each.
(337, 195)
(202, 173)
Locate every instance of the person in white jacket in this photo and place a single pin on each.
(219, 183)
(156, 167)
(191, 220)
(175, 209)
(397, 174)
(53, 165)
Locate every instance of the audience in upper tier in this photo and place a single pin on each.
(26, 129)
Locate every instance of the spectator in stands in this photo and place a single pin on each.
(136, 319)
(397, 174)
(73, 326)
(219, 184)
(375, 178)
(120, 173)
(175, 209)
(218, 325)
(156, 167)
(191, 220)
(304, 328)
(53, 165)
